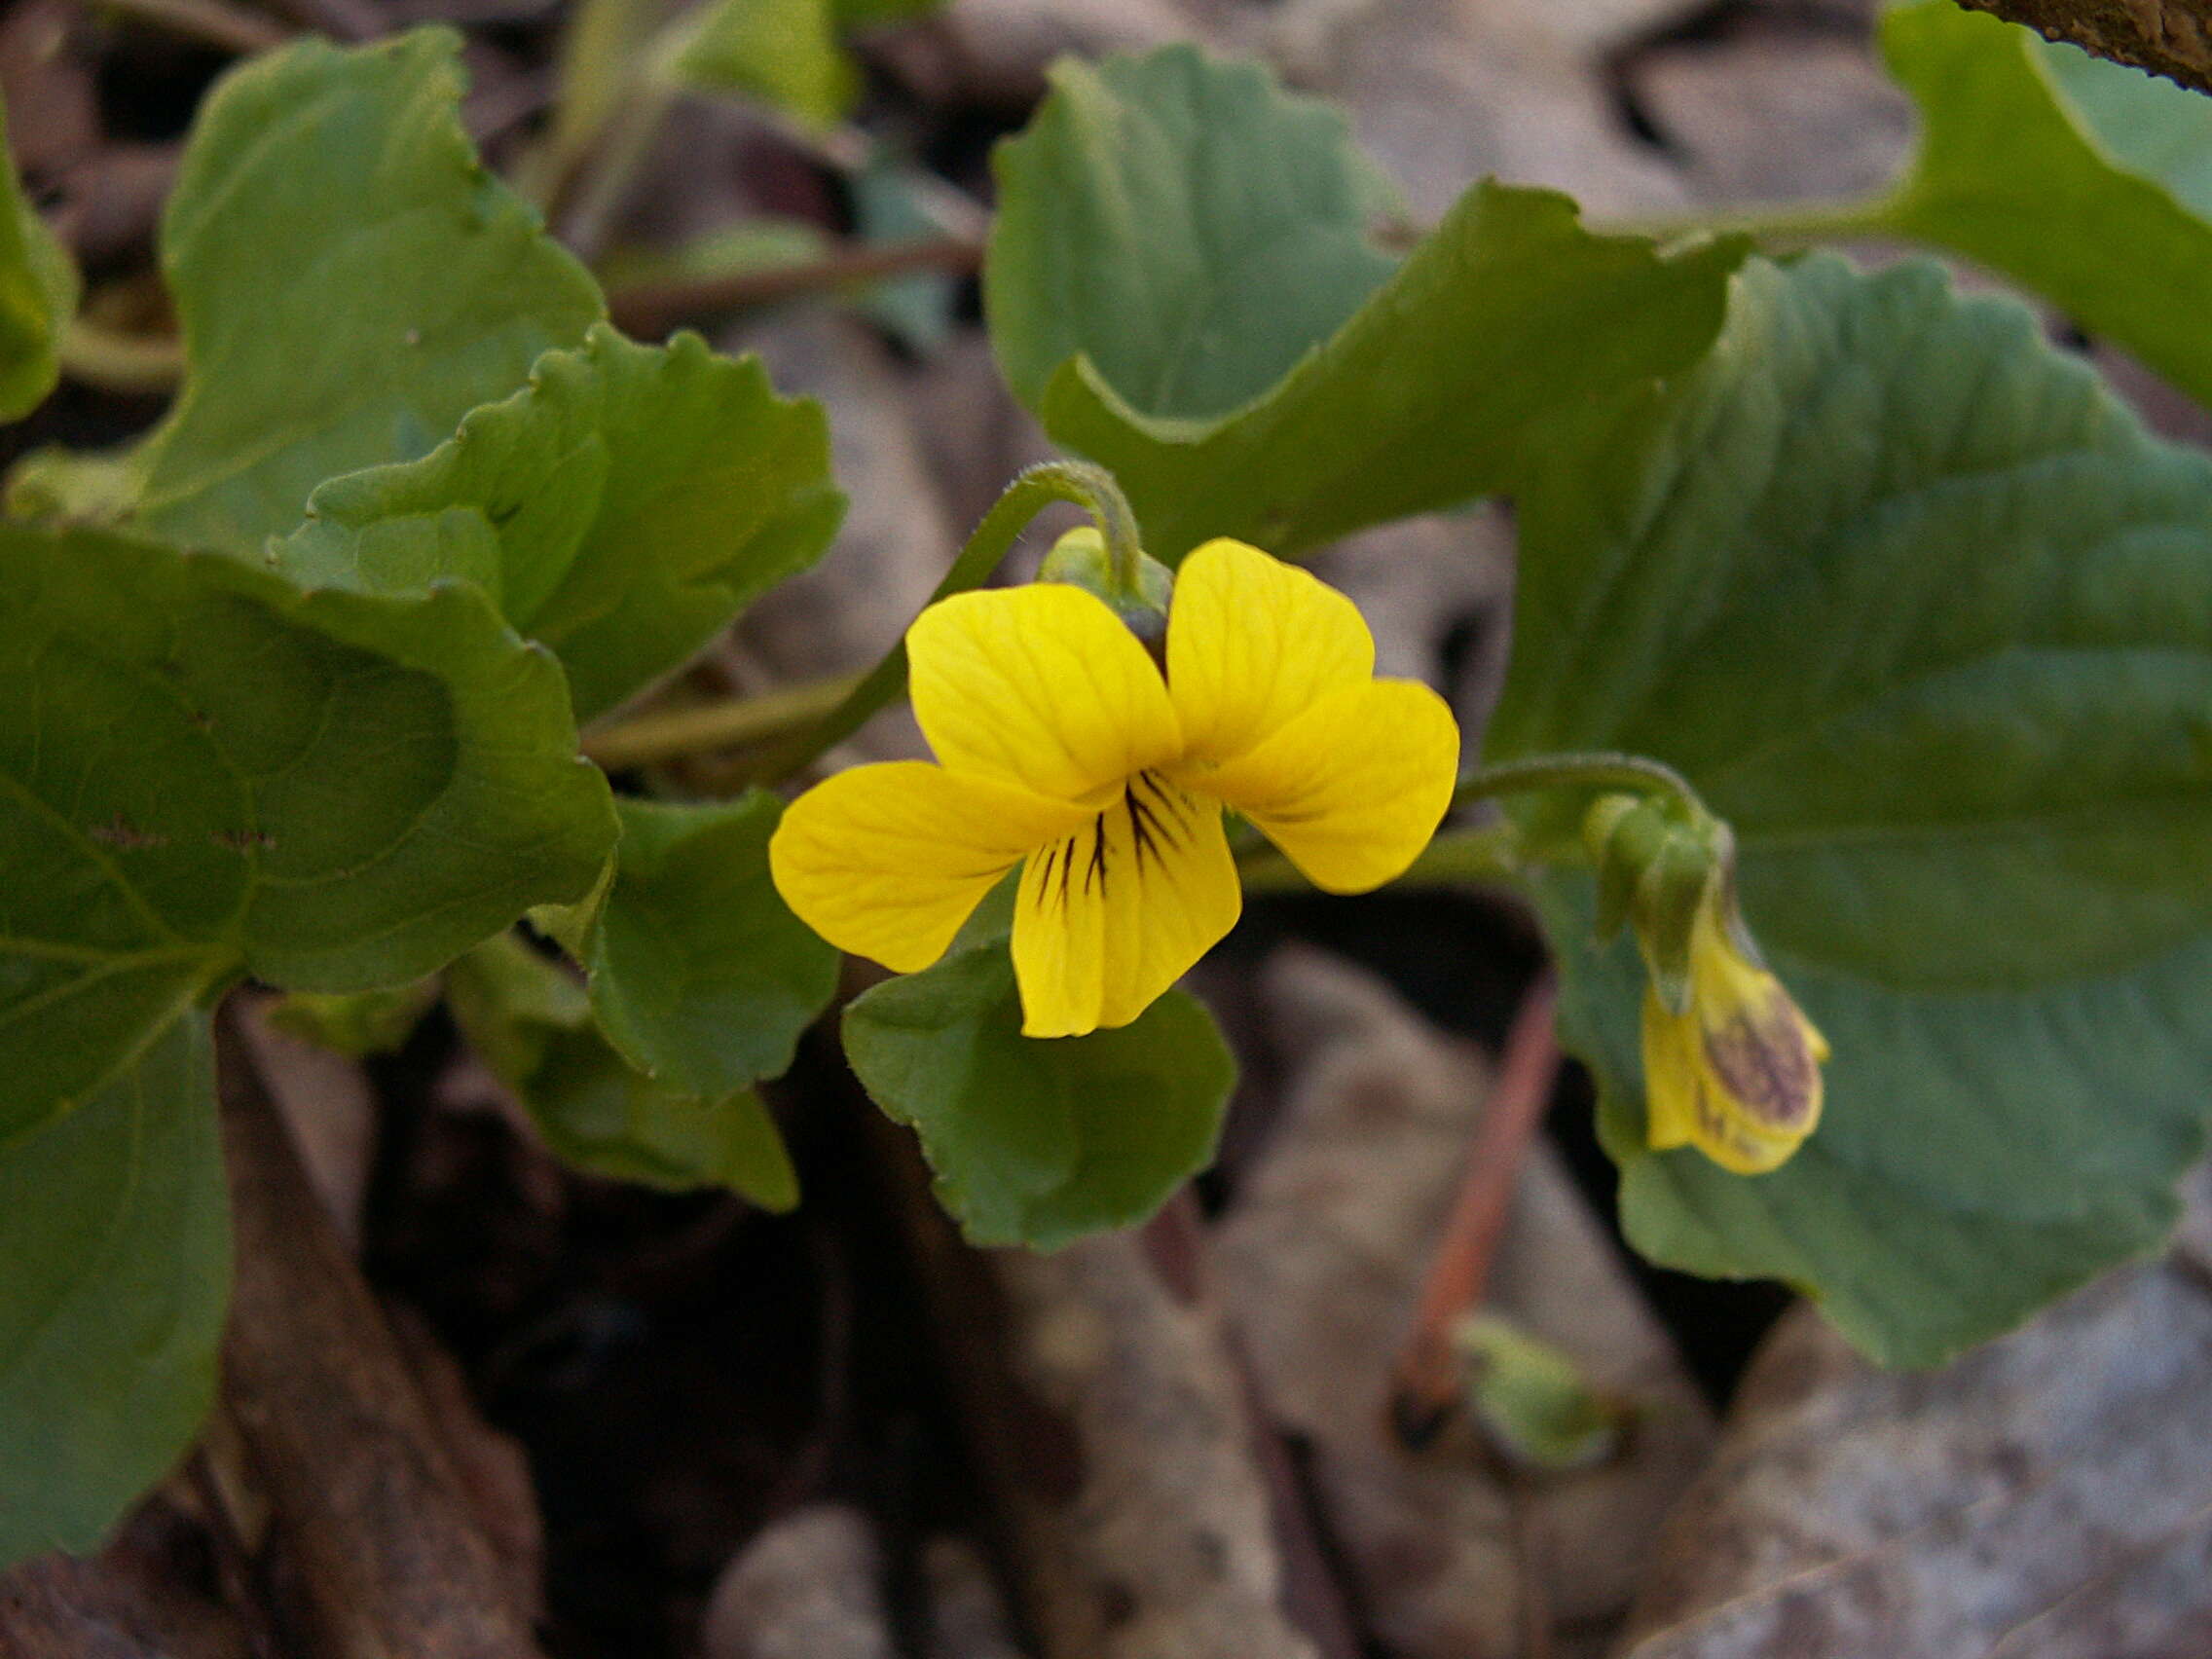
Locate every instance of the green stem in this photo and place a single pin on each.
(1779, 224)
(1076, 482)
(1594, 771)
(133, 363)
(596, 74)
(626, 143)
(668, 734)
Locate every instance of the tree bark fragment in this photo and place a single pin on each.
(1114, 1429)
(379, 1555)
(2172, 38)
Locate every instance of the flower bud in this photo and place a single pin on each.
(1080, 558)
(1656, 858)
(1736, 1072)
(1730, 1065)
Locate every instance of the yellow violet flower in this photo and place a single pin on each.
(1061, 746)
(1737, 1073)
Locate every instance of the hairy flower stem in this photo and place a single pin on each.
(1492, 853)
(1076, 482)
(1600, 770)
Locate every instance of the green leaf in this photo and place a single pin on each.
(1925, 614)
(701, 975)
(2086, 181)
(784, 52)
(1183, 221)
(1206, 321)
(38, 296)
(205, 771)
(607, 1118)
(115, 1233)
(1039, 1141)
(623, 507)
(1533, 1399)
(532, 1020)
(350, 282)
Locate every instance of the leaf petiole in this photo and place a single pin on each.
(670, 734)
(1781, 223)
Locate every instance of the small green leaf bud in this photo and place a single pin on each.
(1081, 560)
(1623, 834)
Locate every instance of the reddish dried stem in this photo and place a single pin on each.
(1427, 1382)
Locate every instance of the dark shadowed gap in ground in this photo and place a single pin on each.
(681, 1369)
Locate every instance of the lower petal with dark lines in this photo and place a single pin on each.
(1112, 915)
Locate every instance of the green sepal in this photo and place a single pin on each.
(1081, 559)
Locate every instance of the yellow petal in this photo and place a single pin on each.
(1042, 688)
(1738, 1074)
(1252, 642)
(1112, 915)
(887, 860)
(1354, 787)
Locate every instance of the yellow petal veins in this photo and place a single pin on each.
(1112, 915)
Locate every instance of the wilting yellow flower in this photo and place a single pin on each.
(1061, 746)
(1737, 1073)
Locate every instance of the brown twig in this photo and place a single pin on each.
(215, 22)
(363, 1503)
(2171, 38)
(1427, 1376)
(650, 309)
(341, 19)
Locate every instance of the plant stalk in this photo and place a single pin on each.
(1428, 1377)
(1784, 224)
(1597, 770)
(214, 22)
(670, 734)
(1076, 482)
(136, 364)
